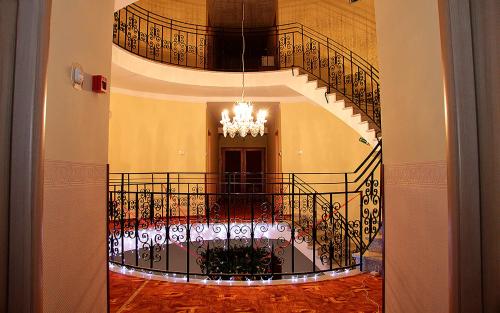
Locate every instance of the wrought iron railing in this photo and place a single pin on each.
(244, 225)
(284, 46)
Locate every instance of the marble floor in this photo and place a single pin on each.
(360, 293)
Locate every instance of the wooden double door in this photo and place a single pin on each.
(243, 170)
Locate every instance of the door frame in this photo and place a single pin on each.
(222, 158)
(25, 204)
(242, 150)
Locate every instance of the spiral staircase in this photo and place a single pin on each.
(323, 71)
(315, 91)
(310, 64)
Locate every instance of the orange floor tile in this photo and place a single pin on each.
(360, 293)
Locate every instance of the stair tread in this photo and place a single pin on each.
(373, 255)
(366, 114)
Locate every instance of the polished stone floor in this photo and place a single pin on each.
(360, 293)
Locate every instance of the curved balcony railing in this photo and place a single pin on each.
(244, 225)
(284, 46)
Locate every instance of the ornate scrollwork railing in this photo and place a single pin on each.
(244, 225)
(284, 46)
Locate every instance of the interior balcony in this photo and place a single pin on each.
(226, 156)
(195, 205)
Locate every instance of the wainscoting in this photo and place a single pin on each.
(74, 237)
(416, 241)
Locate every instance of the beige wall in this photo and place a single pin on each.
(147, 134)
(351, 24)
(76, 140)
(212, 143)
(413, 123)
(314, 140)
(156, 135)
(189, 11)
(212, 149)
(274, 140)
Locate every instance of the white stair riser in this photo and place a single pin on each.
(311, 91)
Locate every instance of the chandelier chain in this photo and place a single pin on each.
(243, 50)
(243, 121)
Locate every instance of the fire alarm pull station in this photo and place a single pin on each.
(99, 84)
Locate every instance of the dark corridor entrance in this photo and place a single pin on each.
(260, 34)
(243, 170)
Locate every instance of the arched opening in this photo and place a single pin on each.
(421, 168)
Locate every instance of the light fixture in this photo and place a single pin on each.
(243, 121)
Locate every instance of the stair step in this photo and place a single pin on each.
(372, 261)
(340, 102)
(357, 118)
(369, 254)
(303, 78)
(371, 130)
(322, 83)
(322, 89)
(364, 126)
(331, 97)
(348, 109)
(377, 244)
(314, 83)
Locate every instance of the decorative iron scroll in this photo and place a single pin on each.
(191, 224)
(292, 46)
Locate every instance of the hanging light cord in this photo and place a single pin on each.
(243, 50)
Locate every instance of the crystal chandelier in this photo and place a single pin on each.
(243, 121)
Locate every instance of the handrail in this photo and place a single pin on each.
(142, 223)
(374, 157)
(291, 45)
(197, 27)
(375, 149)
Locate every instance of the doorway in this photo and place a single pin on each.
(243, 170)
